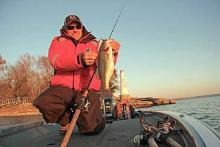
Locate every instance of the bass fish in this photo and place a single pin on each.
(105, 63)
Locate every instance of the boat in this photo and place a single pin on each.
(166, 128)
(186, 132)
(142, 128)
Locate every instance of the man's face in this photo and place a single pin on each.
(75, 30)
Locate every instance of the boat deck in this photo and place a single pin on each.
(117, 134)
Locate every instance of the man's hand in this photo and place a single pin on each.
(115, 45)
(89, 57)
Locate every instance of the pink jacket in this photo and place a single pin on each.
(65, 58)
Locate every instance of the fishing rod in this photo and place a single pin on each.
(116, 22)
(84, 100)
(108, 38)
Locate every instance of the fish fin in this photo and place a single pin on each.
(114, 74)
(100, 43)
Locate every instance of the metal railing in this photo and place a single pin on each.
(14, 101)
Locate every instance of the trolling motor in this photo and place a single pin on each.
(151, 134)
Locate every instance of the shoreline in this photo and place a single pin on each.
(200, 96)
(19, 114)
(19, 110)
(30, 110)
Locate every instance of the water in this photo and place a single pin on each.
(205, 109)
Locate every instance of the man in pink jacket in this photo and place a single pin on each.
(73, 56)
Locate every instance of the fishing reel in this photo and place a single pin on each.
(83, 107)
(164, 127)
(85, 104)
(159, 133)
(140, 139)
(148, 128)
(147, 132)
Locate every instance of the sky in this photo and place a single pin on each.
(169, 48)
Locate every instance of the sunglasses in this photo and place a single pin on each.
(74, 27)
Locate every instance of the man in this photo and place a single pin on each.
(73, 56)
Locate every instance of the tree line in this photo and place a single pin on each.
(27, 78)
(30, 76)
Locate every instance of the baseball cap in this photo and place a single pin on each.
(71, 18)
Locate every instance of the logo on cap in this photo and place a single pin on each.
(72, 17)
